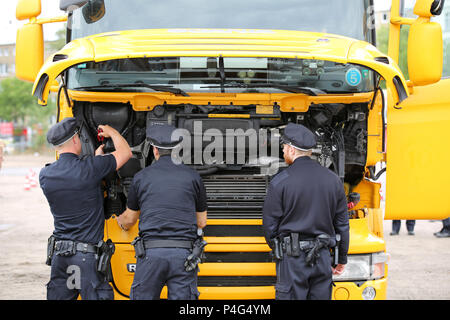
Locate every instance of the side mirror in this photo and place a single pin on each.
(425, 53)
(29, 41)
(68, 5)
(27, 9)
(428, 8)
(29, 51)
(425, 45)
(93, 11)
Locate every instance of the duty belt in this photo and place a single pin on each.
(68, 247)
(140, 245)
(148, 244)
(291, 246)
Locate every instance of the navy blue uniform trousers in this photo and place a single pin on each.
(397, 223)
(76, 275)
(164, 266)
(296, 280)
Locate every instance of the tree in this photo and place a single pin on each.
(382, 45)
(18, 105)
(57, 44)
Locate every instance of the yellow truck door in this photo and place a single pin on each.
(418, 155)
(418, 129)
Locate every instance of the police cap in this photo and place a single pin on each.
(62, 132)
(299, 137)
(160, 136)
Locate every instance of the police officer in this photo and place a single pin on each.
(170, 202)
(72, 187)
(304, 209)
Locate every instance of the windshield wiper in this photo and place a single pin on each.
(137, 85)
(287, 88)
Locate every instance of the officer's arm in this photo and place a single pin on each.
(272, 213)
(341, 224)
(201, 219)
(128, 218)
(123, 151)
(201, 204)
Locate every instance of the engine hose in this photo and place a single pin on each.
(374, 176)
(380, 173)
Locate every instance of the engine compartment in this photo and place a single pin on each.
(234, 148)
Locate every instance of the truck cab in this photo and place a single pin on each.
(230, 76)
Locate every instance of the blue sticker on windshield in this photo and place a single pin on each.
(353, 77)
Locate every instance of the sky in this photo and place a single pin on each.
(50, 8)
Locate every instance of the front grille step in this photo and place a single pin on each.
(235, 196)
(238, 257)
(240, 281)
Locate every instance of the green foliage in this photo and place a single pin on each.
(382, 45)
(60, 42)
(446, 71)
(19, 106)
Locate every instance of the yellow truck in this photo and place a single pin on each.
(248, 68)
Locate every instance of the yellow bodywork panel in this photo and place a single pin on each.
(288, 102)
(200, 43)
(375, 129)
(370, 194)
(375, 222)
(362, 239)
(418, 136)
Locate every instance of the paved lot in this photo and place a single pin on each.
(419, 267)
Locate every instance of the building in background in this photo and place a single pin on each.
(8, 58)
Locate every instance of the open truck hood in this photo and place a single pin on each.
(212, 43)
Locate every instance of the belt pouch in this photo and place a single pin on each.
(65, 248)
(287, 244)
(50, 250)
(295, 248)
(139, 248)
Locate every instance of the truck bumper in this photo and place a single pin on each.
(342, 291)
(360, 290)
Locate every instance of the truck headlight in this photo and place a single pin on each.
(363, 267)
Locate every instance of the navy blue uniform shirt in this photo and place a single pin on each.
(308, 199)
(168, 196)
(72, 187)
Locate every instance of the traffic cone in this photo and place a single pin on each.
(27, 185)
(33, 179)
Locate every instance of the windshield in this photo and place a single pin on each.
(350, 18)
(212, 74)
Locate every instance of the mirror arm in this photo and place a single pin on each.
(49, 20)
(398, 20)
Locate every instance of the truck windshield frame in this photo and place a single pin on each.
(351, 18)
(234, 74)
